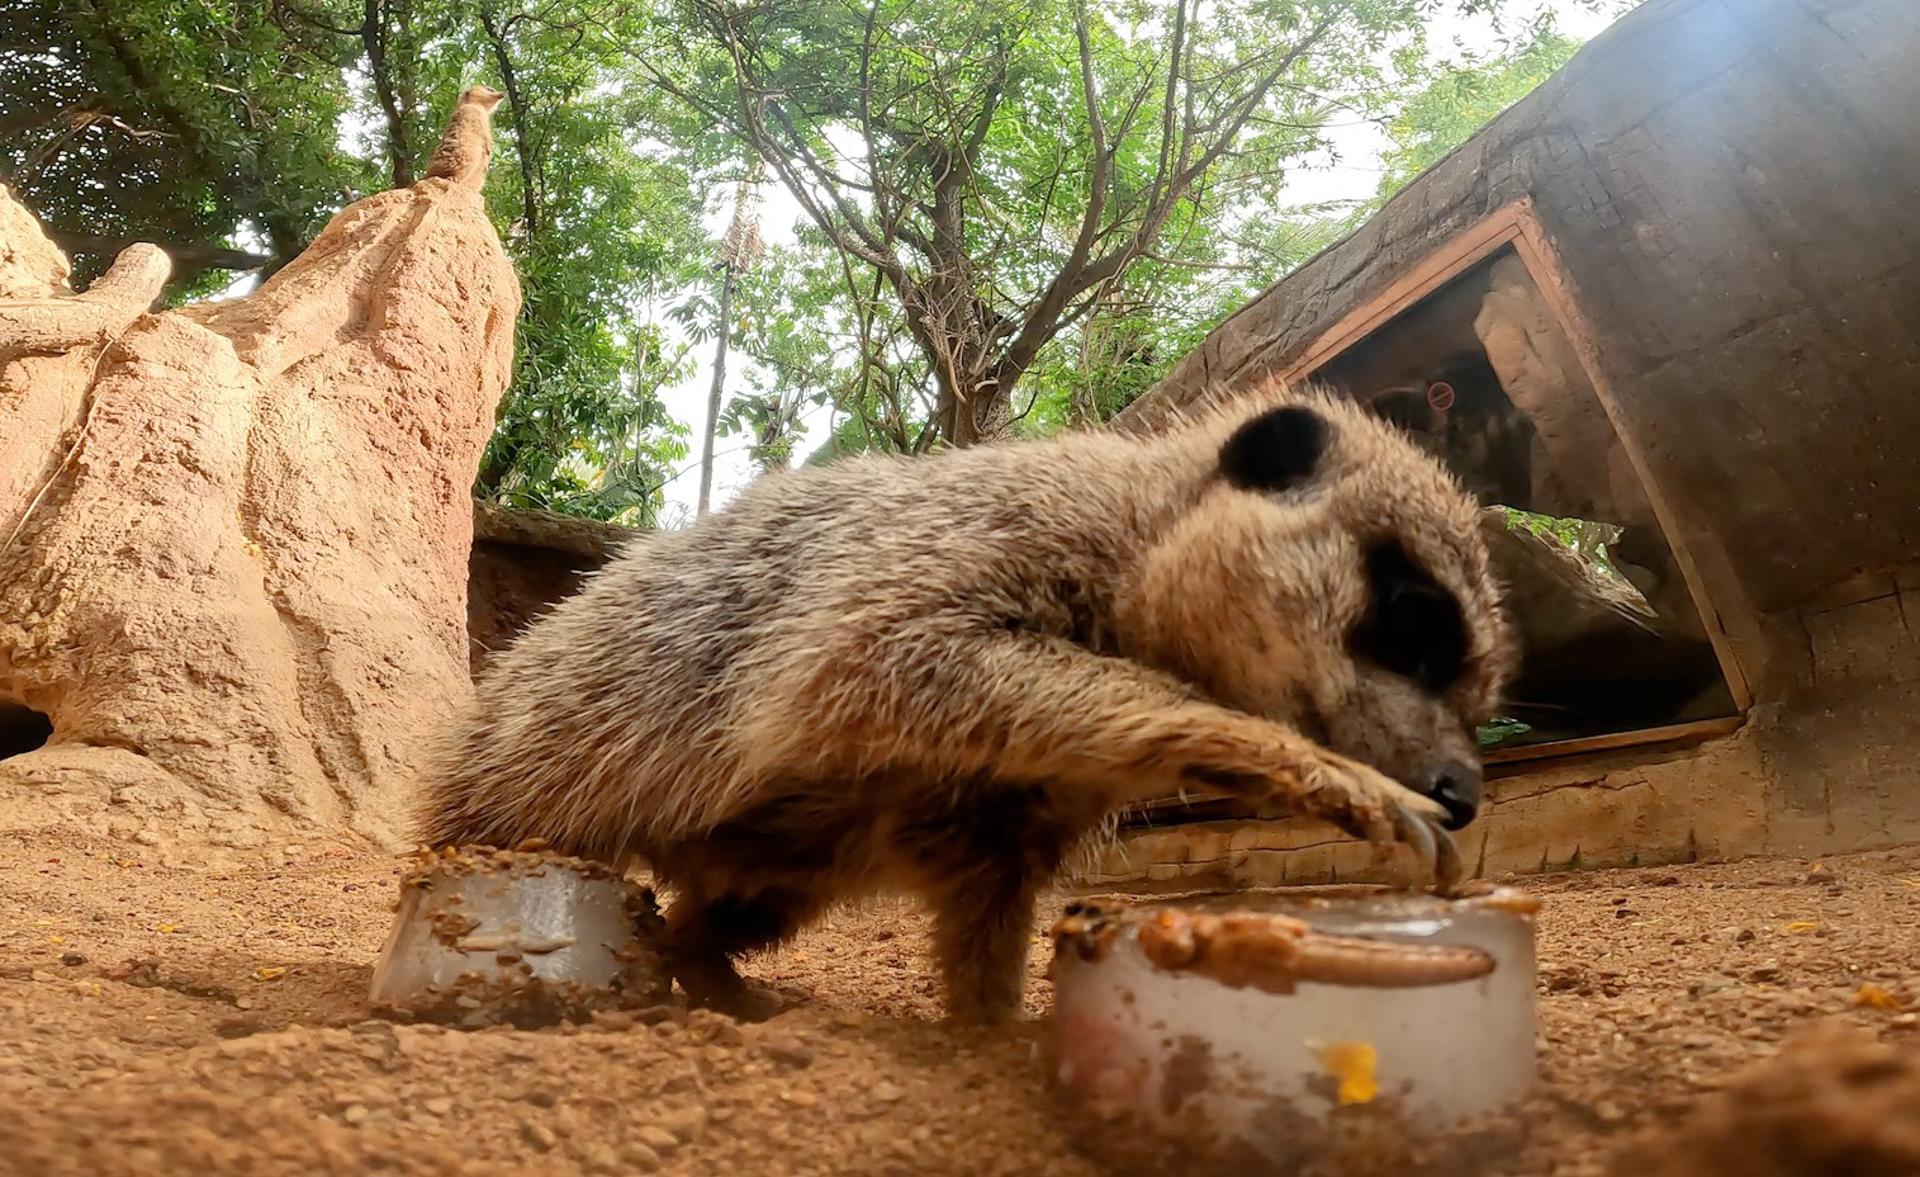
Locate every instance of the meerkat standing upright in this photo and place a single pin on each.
(941, 674)
(467, 145)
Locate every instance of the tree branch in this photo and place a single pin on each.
(530, 202)
(187, 255)
(373, 37)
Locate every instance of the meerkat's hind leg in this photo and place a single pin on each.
(706, 934)
(982, 859)
(982, 928)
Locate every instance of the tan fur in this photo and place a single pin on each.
(942, 674)
(467, 145)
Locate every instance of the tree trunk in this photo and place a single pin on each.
(233, 537)
(975, 402)
(719, 387)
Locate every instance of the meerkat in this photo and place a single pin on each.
(467, 145)
(942, 674)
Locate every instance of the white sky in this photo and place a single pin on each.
(1358, 146)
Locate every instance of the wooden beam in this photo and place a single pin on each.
(1673, 733)
(1461, 253)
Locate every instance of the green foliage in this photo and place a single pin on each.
(176, 121)
(1463, 96)
(210, 127)
(595, 225)
(1583, 537)
(1500, 731)
(1030, 184)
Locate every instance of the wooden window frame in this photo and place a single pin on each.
(1515, 225)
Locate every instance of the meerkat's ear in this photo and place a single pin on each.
(1278, 450)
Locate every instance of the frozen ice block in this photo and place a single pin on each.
(1300, 1020)
(524, 937)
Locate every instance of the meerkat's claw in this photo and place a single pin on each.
(1432, 845)
(1417, 835)
(1368, 804)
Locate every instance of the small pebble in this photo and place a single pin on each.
(1765, 974)
(800, 1099)
(657, 1138)
(885, 1092)
(356, 1113)
(233, 1028)
(686, 1123)
(790, 1051)
(539, 1135)
(640, 1157)
(72, 959)
(439, 1105)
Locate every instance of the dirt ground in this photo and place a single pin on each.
(160, 1017)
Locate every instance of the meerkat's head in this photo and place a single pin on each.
(1331, 575)
(483, 96)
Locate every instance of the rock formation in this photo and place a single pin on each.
(233, 537)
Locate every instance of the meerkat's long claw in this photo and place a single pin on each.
(1379, 964)
(1449, 869)
(1418, 836)
(1432, 845)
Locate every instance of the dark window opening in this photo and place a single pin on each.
(1483, 375)
(22, 729)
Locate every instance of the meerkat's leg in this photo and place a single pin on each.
(1035, 708)
(983, 851)
(982, 926)
(706, 933)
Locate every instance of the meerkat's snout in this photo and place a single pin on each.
(1456, 785)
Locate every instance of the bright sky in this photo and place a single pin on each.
(1356, 174)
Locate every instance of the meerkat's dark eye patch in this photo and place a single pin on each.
(1413, 627)
(1275, 451)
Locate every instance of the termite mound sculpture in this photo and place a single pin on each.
(234, 536)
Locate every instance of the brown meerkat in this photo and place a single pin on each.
(942, 674)
(467, 145)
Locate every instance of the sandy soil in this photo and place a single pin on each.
(157, 1018)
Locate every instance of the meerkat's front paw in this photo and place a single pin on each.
(1370, 805)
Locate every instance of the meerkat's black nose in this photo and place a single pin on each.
(1456, 786)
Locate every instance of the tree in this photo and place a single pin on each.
(232, 132)
(599, 224)
(737, 254)
(998, 168)
(210, 124)
(1465, 96)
